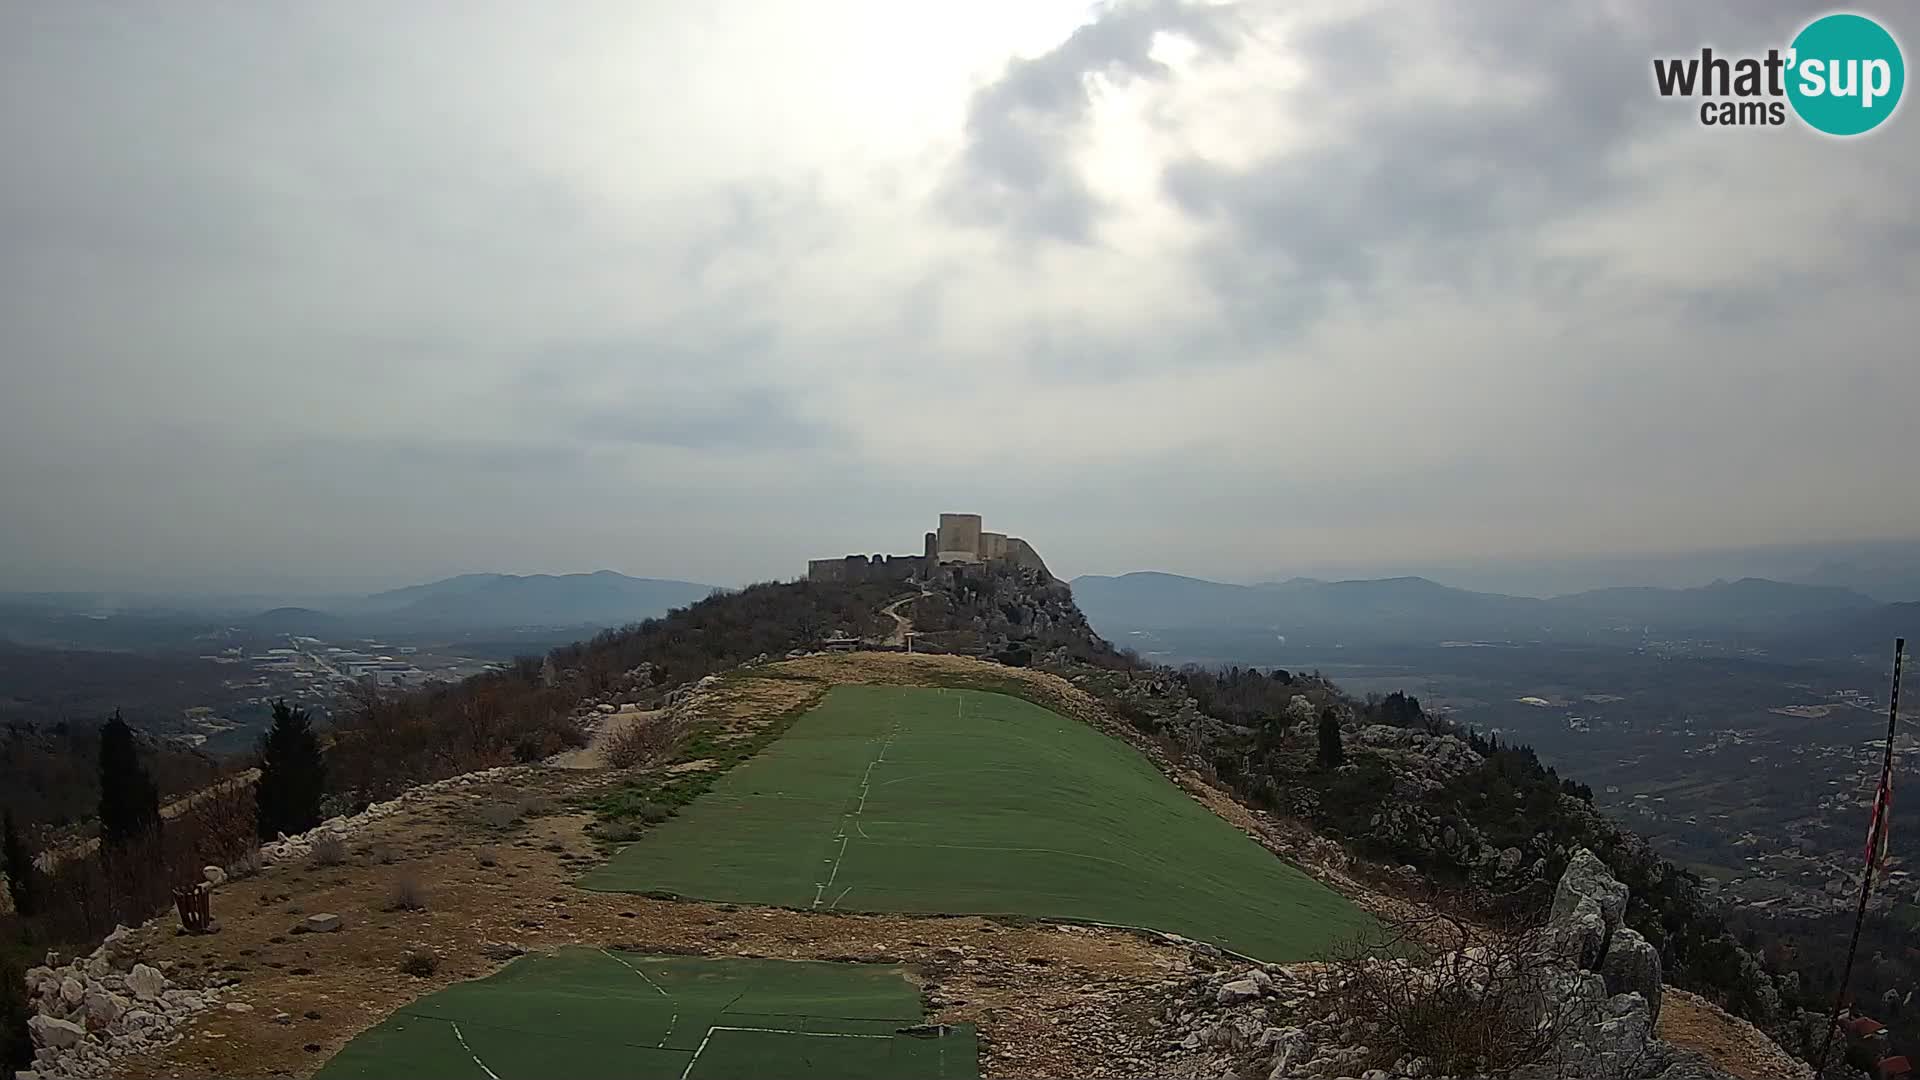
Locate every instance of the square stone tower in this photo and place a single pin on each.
(959, 538)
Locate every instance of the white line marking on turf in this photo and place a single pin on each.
(866, 785)
(671, 1022)
(818, 889)
(476, 1057)
(688, 1071)
(837, 899)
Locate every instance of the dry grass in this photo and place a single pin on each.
(328, 850)
(407, 894)
(244, 866)
(421, 963)
(643, 742)
(1483, 1006)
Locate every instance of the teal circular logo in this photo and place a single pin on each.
(1846, 74)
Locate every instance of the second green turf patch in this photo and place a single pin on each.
(963, 802)
(593, 1012)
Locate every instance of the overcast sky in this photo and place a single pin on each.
(362, 293)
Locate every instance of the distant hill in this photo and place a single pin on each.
(1867, 633)
(295, 620)
(1749, 603)
(1888, 578)
(1408, 609)
(1384, 609)
(603, 598)
(1155, 600)
(433, 591)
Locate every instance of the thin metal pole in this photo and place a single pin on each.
(1881, 813)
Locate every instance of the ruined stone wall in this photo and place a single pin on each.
(1021, 553)
(857, 568)
(993, 545)
(831, 569)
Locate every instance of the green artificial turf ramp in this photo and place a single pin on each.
(963, 802)
(592, 1012)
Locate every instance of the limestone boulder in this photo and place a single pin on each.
(1632, 966)
(1237, 991)
(58, 1034)
(1587, 878)
(146, 982)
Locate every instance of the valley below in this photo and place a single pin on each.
(1755, 773)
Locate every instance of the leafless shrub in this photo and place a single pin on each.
(419, 962)
(407, 894)
(329, 849)
(619, 832)
(643, 742)
(498, 815)
(1465, 1000)
(220, 822)
(246, 864)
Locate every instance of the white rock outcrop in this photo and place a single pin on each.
(91, 1010)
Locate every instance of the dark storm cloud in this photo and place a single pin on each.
(1428, 187)
(1017, 170)
(1397, 179)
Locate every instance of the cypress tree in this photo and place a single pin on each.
(293, 775)
(16, 1038)
(129, 801)
(1332, 754)
(19, 866)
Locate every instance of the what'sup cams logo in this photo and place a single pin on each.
(1842, 75)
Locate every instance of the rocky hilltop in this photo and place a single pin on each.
(1578, 997)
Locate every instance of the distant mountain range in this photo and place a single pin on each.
(464, 605)
(1415, 609)
(603, 598)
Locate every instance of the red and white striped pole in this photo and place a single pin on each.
(1876, 849)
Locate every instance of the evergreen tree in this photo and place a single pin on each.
(16, 1038)
(1332, 754)
(293, 775)
(19, 866)
(129, 801)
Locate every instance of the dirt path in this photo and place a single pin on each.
(902, 626)
(594, 754)
(1730, 1043)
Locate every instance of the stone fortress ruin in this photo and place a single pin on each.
(958, 542)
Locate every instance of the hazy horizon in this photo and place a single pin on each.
(342, 298)
(1539, 575)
